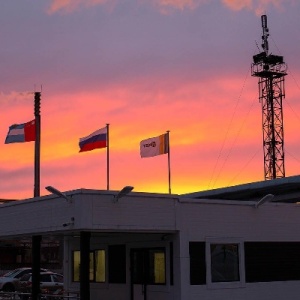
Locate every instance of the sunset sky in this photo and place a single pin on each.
(144, 67)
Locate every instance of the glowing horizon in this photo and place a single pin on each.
(144, 67)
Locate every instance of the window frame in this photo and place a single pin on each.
(147, 256)
(92, 265)
(228, 284)
(153, 264)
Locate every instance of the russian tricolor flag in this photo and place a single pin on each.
(97, 139)
(20, 133)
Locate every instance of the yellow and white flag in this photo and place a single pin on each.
(155, 146)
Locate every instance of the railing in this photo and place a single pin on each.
(25, 296)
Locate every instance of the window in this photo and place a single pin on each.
(45, 278)
(149, 266)
(76, 265)
(272, 261)
(58, 278)
(157, 263)
(100, 265)
(97, 266)
(225, 263)
(25, 277)
(197, 263)
(117, 264)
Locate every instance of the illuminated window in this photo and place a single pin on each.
(97, 266)
(76, 265)
(100, 265)
(159, 262)
(149, 266)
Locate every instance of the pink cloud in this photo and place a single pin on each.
(69, 6)
(259, 6)
(167, 6)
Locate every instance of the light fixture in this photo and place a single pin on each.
(264, 199)
(125, 190)
(71, 223)
(56, 192)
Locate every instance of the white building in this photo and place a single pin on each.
(212, 245)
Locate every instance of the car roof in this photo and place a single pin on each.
(28, 269)
(47, 272)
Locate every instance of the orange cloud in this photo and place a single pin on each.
(71, 5)
(197, 115)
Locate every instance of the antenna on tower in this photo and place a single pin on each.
(265, 44)
(271, 70)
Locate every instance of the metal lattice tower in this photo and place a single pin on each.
(271, 70)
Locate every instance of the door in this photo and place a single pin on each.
(138, 270)
(147, 268)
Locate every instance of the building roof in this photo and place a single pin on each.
(284, 190)
(2, 201)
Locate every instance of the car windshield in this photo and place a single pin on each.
(25, 277)
(58, 278)
(11, 273)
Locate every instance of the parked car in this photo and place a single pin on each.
(50, 283)
(9, 280)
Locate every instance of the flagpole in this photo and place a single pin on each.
(107, 156)
(169, 164)
(37, 145)
(36, 239)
